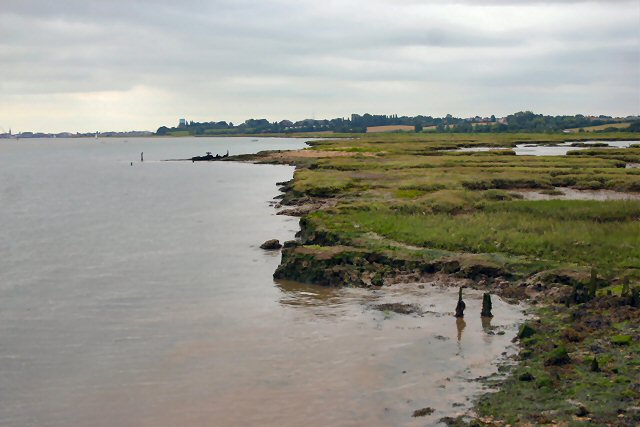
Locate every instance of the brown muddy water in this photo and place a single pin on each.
(138, 296)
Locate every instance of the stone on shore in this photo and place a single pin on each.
(272, 244)
(423, 412)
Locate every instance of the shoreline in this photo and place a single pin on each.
(296, 208)
(324, 257)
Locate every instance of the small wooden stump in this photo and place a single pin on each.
(461, 305)
(486, 305)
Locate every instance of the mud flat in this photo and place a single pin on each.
(360, 360)
(402, 209)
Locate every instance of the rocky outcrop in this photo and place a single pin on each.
(272, 244)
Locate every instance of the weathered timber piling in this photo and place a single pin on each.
(461, 305)
(486, 305)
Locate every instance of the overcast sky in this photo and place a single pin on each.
(87, 65)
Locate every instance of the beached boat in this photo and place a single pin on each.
(209, 157)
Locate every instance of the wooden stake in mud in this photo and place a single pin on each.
(461, 305)
(486, 305)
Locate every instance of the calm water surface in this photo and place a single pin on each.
(138, 296)
(564, 148)
(560, 149)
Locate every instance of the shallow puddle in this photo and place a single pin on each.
(563, 148)
(573, 194)
(559, 149)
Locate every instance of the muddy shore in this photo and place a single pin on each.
(561, 300)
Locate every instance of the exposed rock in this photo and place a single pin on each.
(290, 244)
(582, 411)
(271, 244)
(526, 377)
(423, 412)
(299, 210)
(286, 184)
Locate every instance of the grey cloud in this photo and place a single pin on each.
(507, 2)
(237, 52)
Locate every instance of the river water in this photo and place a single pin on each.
(136, 295)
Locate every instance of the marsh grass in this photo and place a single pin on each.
(425, 143)
(629, 155)
(415, 206)
(586, 233)
(410, 193)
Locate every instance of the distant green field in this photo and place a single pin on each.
(601, 127)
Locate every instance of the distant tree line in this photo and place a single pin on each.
(524, 121)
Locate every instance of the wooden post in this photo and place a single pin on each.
(486, 305)
(461, 305)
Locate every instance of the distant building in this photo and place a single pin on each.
(183, 122)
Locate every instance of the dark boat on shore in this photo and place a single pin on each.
(209, 157)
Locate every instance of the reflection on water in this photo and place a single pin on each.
(559, 149)
(460, 325)
(486, 323)
(300, 294)
(563, 148)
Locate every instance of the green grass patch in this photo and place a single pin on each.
(587, 233)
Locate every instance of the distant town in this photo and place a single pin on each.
(21, 135)
(524, 121)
